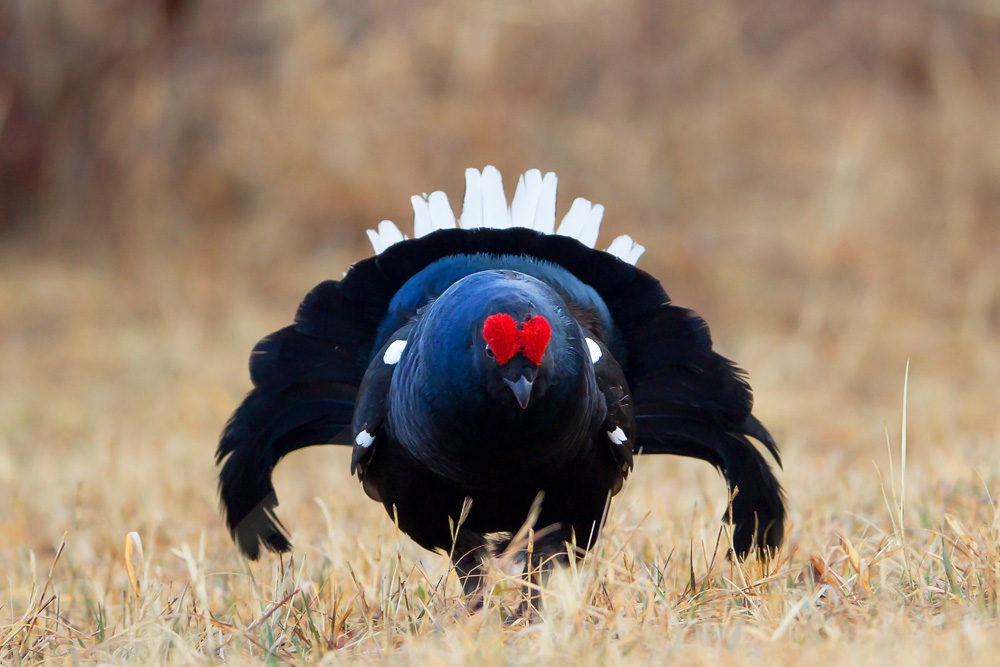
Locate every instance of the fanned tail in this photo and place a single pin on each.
(484, 206)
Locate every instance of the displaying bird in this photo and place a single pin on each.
(499, 359)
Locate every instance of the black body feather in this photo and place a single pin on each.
(438, 437)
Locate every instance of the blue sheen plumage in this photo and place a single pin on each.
(394, 360)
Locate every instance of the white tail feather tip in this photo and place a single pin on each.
(442, 217)
(421, 216)
(472, 205)
(625, 249)
(485, 205)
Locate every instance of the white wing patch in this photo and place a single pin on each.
(394, 352)
(365, 439)
(594, 349)
(485, 205)
(617, 436)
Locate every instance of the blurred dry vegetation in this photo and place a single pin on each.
(821, 180)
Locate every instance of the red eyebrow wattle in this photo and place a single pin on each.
(535, 335)
(505, 339)
(501, 334)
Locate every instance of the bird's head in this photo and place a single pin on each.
(518, 349)
(503, 338)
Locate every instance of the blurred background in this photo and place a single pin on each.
(821, 180)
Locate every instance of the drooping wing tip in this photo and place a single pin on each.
(756, 430)
(760, 514)
(259, 527)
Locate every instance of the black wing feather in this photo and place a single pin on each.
(620, 415)
(369, 414)
(756, 430)
(266, 427)
(688, 400)
(691, 401)
(306, 379)
(758, 506)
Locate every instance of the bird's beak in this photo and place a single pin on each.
(521, 389)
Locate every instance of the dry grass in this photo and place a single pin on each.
(820, 180)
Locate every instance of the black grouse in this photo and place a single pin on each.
(495, 358)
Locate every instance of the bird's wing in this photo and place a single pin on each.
(756, 508)
(618, 429)
(368, 427)
(305, 377)
(691, 401)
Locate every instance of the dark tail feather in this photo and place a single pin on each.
(758, 505)
(266, 427)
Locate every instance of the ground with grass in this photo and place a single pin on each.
(822, 183)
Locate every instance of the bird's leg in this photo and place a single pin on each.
(531, 599)
(541, 556)
(470, 552)
(536, 573)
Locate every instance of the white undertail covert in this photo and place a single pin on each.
(485, 205)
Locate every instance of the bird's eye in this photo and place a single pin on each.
(489, 352)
